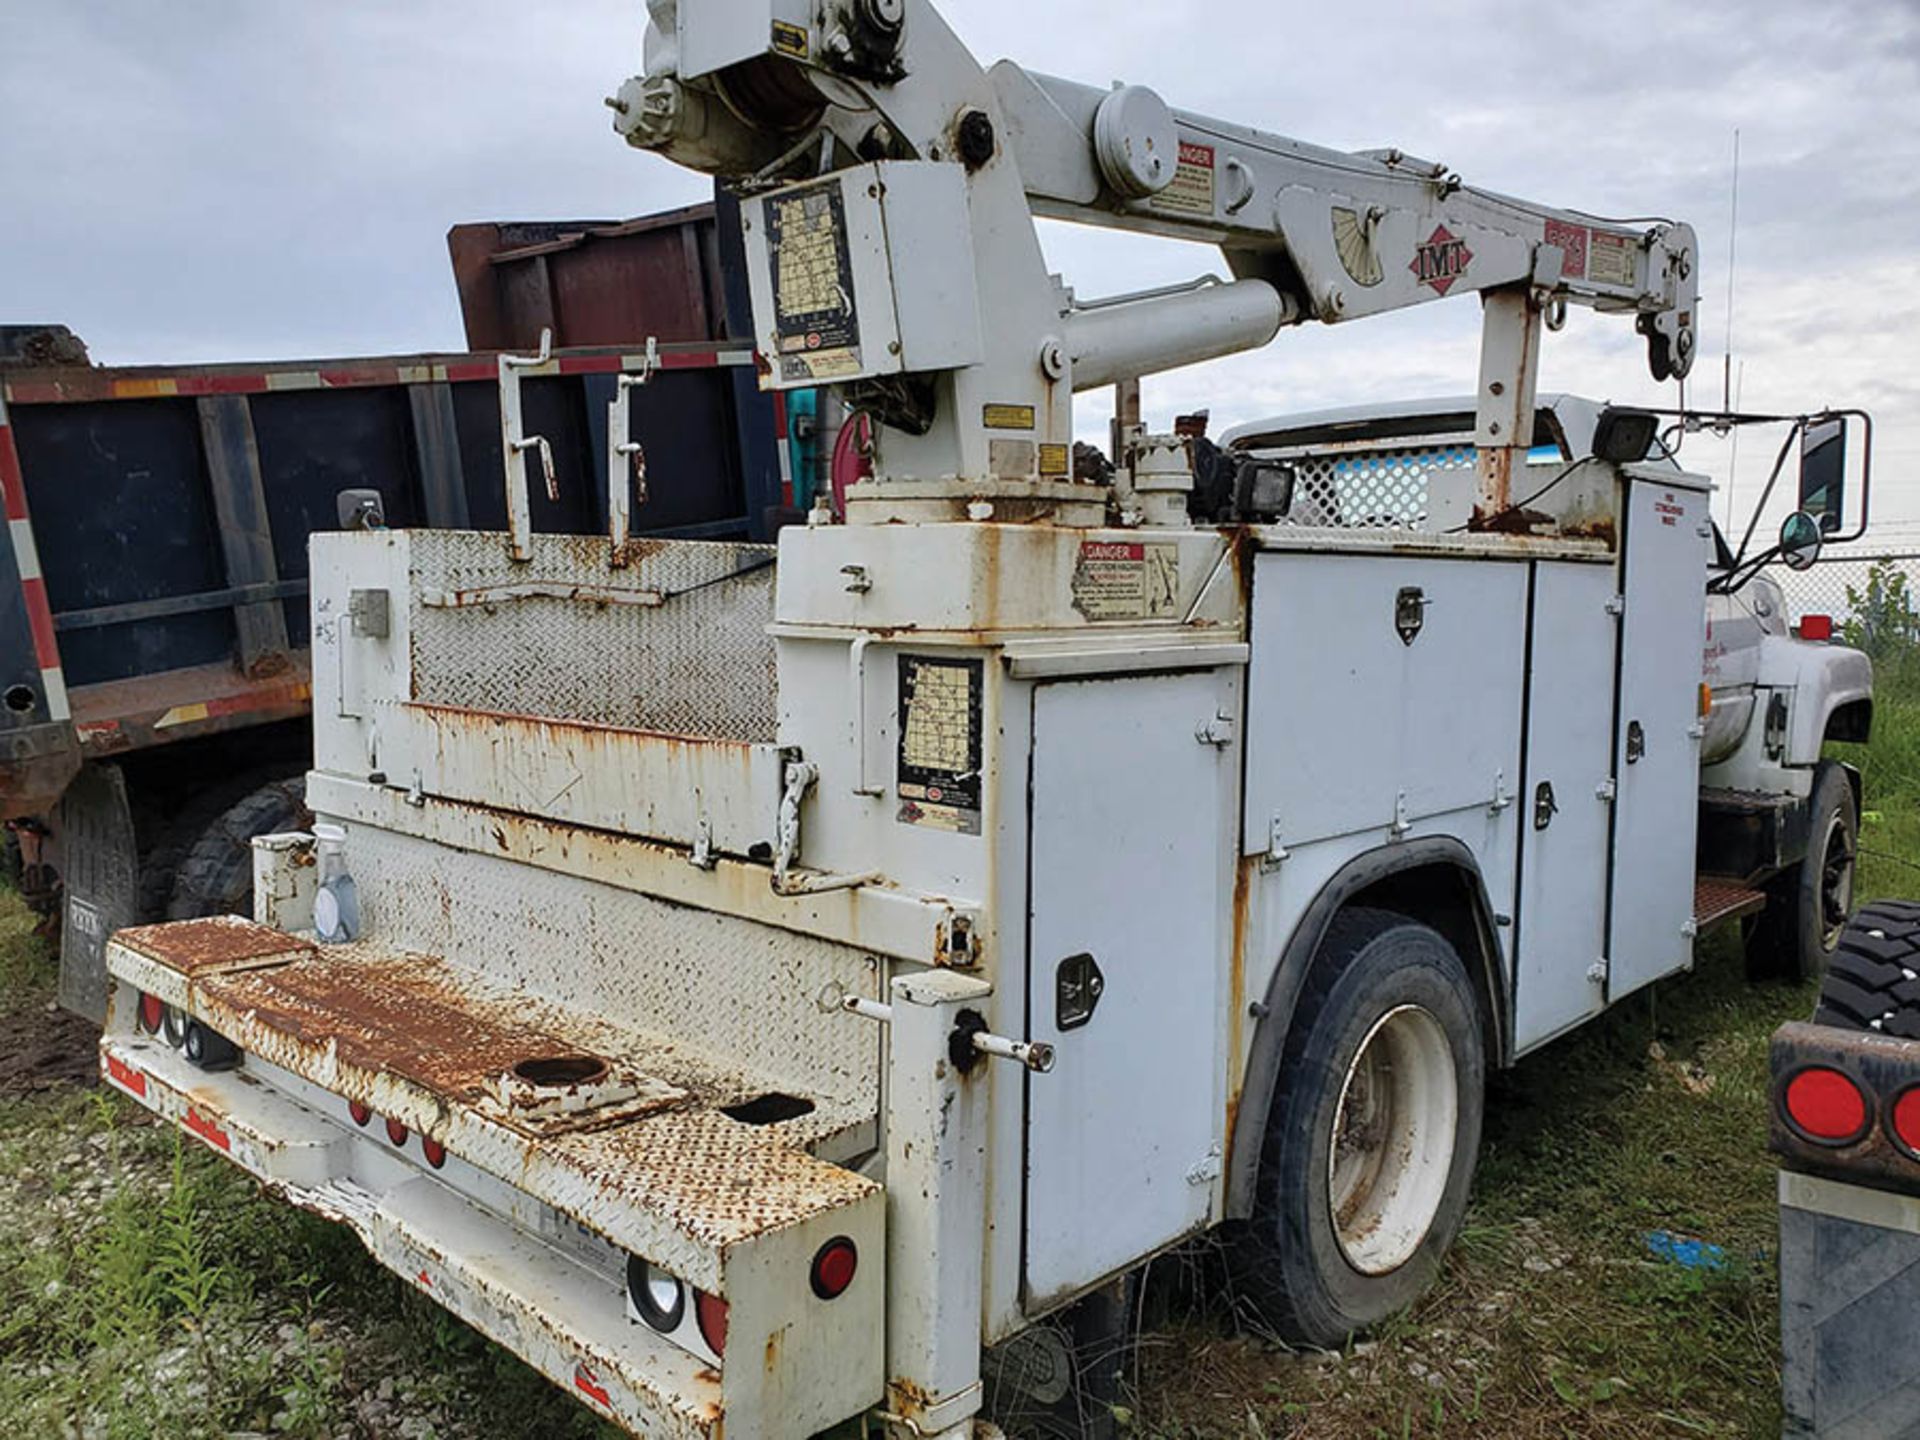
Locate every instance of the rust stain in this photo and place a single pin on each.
(407, 1016)
(773, 1349)
(1237, 990)
(1509, 521)
(908, 1399)
(209, 946)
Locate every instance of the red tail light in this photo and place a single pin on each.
(711, 1312)
(1904, 1119)
(152, 1012)
(362, 1114)
(1826, 1106)
(1816, 627)
(435, 1152)
(396, 1132)
(833, 1268)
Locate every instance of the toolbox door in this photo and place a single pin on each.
(1564, 818)
(1132, 832)
(1657, 734)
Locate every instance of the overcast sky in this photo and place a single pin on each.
(201, 181)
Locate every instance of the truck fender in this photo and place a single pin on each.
(1436, 880)
(1830, 689)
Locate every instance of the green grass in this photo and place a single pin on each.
(1890, 776)
(148, 1290)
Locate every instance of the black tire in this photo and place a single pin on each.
(1374, 967)
(1873, 980)
(1065, 1377)
(1807, 907)
(215, 874)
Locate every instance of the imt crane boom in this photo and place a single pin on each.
(895, 253)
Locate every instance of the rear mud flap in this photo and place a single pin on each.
(99, 864)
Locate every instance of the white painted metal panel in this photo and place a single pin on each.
(1132, 859)
(1666, 541)
(1562, 912)
(631, 782)
(1350, 727)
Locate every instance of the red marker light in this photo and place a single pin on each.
(1826, 1106)
(833, 1268)
(1816, 627)
(362, 1114)
(711, 1312)
(1905, 1119)
(435, 1152)
(152, 1013)
(396, 1132)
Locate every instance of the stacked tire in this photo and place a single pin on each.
(1873, 977)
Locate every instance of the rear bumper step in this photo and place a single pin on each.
(640, 1155)
(566, 1321)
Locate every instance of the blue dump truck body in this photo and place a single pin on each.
(153, 610)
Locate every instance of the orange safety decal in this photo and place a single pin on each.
(207, 1130)
(133, 1081)
(588, 1384)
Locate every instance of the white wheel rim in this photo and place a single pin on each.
(1393, 1135)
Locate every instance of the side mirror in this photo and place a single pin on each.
(1823, 471)
(1801, 540)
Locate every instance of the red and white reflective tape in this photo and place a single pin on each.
(187, 383)
(33, 585)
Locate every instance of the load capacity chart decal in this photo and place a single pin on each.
(818, 324)
(939, 762)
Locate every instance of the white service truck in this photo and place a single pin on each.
(746, 983)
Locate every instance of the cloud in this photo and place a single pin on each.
(204, 181)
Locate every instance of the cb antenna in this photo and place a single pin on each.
(1733, 233)
(1726, 358)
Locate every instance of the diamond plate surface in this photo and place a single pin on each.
(737, 996)
(698, 663)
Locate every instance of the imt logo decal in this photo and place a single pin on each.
(1441, 259)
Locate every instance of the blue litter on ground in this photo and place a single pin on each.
(1693, 1254)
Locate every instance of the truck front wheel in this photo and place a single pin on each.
(1809, 905)
(1372, 1134)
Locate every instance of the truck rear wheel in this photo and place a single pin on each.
(215, 876)
(1372, 1134)
(1808, 906)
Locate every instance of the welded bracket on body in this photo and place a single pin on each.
(626, 457)
(514, 444)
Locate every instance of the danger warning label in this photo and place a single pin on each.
(1126, 580)
(1191, 192)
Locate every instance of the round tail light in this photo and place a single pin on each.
(362, 1114)
(1826, 1106)
(1905, 1119)
(435, 1152)
(833, 1268)
(153, 1013)
(658, 1298)
(711, 1312)
(396, 1132)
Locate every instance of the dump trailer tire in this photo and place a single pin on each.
(1873, 980)
(1807, 906)
(1372, 1135)
(215, 875)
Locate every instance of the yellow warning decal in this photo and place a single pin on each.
(790, 39)
(1055, 460)
(1008, 417)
